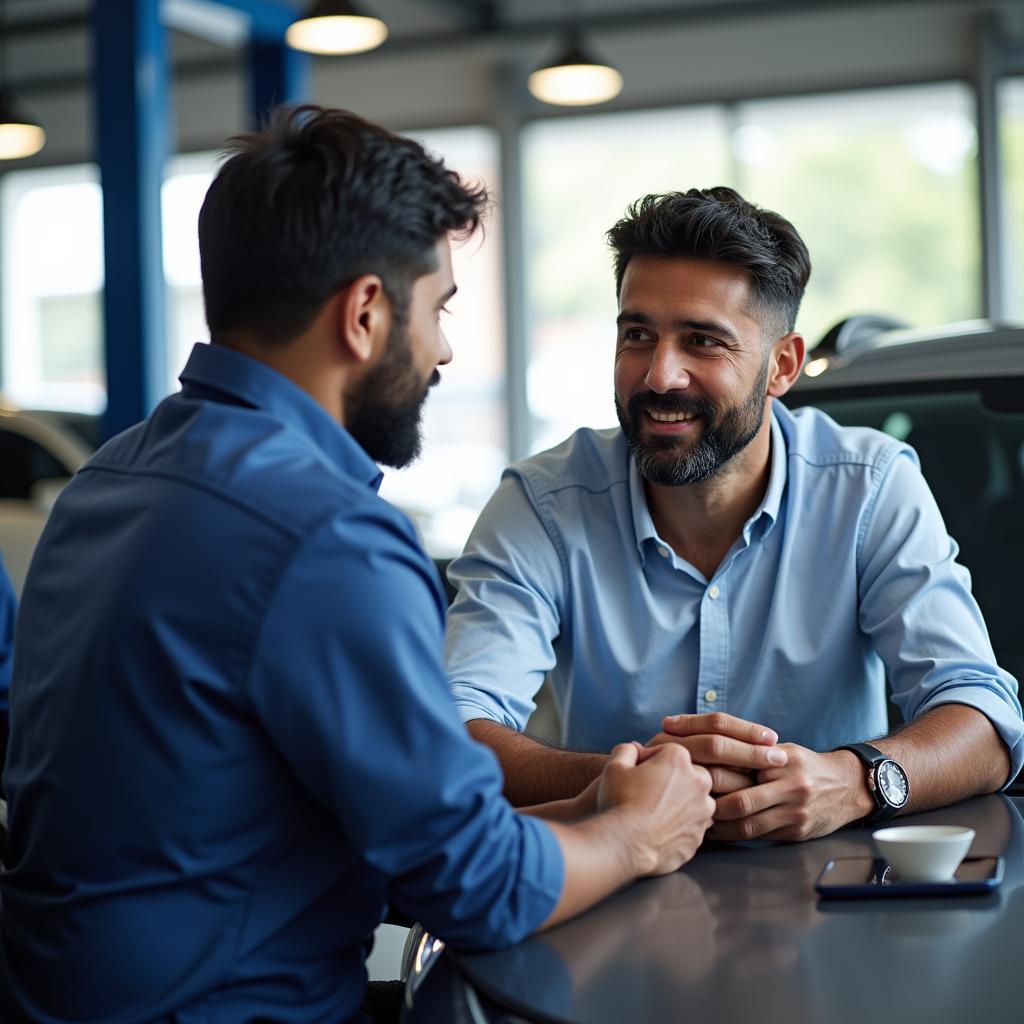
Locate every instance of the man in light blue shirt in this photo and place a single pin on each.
(722, 573)
(232, 742)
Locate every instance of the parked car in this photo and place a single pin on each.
(39, 453)
(956, 395)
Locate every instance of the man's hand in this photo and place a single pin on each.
(730, 748)
(810, 796)
(662, 799)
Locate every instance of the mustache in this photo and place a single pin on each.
(671, 401)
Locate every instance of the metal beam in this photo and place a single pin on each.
(994, 243)
(508, 120)
(133, 134)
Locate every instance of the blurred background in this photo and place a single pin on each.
(890, 132)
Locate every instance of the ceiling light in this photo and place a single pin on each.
(19, 136)
(575, 78)
(336, 27)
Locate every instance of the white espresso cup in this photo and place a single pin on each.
(924, 853)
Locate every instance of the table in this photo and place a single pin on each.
(739, 935)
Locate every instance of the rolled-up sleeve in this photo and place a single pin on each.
(507, 615)
(917, 607)
(348, 682)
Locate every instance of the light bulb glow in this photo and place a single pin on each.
(575, 85)
(337, 34)
(816, 367)
(20, 140)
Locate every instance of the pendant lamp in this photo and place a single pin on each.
(336, 27)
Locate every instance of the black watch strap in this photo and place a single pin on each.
(872, 758)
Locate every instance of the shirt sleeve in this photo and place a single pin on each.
(507, 615)
(348, 682)
(917, 607)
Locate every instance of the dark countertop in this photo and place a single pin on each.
(739, 934)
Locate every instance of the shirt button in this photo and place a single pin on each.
(713, 593)
(664, 552)
(711, 696)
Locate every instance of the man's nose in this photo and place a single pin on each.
(445, 356)
(668, 370)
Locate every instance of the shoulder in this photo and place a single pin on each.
(814, 440)
(589, 460)
(239, 470)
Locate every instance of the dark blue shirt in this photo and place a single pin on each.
(232, 740)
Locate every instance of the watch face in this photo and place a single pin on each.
(893, 783)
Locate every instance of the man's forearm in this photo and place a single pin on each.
(950, 753)
(534, 772)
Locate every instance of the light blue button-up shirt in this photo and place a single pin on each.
(842, 577)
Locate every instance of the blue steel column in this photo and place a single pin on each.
(277, 74)
(133, 135)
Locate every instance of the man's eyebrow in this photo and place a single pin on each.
(629, 316)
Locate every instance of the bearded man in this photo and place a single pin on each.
(723, 573)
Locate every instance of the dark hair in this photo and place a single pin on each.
(314, 200)
(719, 224)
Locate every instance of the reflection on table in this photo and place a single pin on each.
(740, 934)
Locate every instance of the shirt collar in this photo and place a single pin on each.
(643, 524)
(237, 376)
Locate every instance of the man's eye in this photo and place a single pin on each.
(703, 341)
(635, 335)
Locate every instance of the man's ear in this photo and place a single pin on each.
(785, 363)
(363, 317)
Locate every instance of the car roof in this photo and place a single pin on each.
(972, 350)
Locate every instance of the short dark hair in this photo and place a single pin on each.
(315, 199)
(719, 224)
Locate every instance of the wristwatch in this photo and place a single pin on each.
(887, 781)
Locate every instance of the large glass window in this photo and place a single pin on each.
(465, 444)
(880, 183)
(579, 175)
(52, 276)
(1011, 124)
(882, 186)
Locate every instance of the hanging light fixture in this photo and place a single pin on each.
(20, 136)
(336, 27)
(576, 77)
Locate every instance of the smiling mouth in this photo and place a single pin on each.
(671, 417)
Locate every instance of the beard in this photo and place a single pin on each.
(384, 415)
(675, 462)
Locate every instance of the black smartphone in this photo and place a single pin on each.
(857, 877)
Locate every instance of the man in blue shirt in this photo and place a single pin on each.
(748, 572)
(232, 741)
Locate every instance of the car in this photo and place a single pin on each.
(39, 453)
(956, 395)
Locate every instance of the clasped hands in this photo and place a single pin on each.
(764, 789)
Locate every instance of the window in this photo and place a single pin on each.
(1011, 126)
(53, 273)
(465, 444)
(881, 184)
(579, 175)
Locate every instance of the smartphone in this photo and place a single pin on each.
(852, 877)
